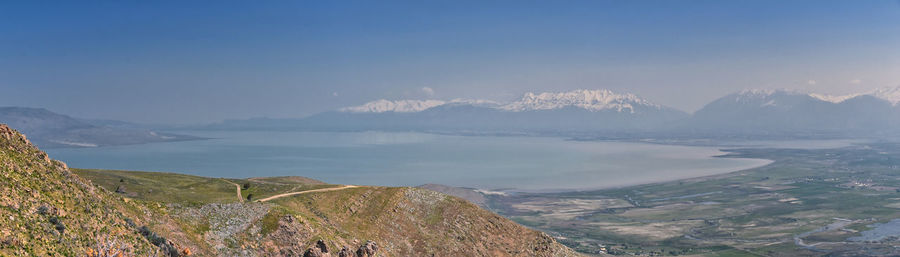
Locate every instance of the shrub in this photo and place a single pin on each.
(57, 224)
(43, 210)
(130, 223)
(152, 236)
(159, 241)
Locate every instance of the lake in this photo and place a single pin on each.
(409, 159)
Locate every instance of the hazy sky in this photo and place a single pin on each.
(202, 61)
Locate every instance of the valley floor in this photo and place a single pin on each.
(836, 202)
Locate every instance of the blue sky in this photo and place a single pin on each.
(202, 61)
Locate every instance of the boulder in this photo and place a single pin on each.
(346, 252)
(319, 250)
(367, 250)
(321, 245)
(315, 252)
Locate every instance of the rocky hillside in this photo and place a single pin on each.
(49, 210)
(46, 210)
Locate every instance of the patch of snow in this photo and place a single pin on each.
(758, 92)
(833, 98)
(750, 95)
(754, 95)
(890, 94)
(475, 102)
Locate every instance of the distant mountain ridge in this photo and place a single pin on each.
(602, 113)
(592, 100)
(787, 111)
(889, 94)
(394, 106)
(49, 129)
(577, 110)
(384, 105)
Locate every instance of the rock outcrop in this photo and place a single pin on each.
(319, 250)
(346, 252)
(367, 250)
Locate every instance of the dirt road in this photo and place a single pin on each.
(238, 187)
(305, 192)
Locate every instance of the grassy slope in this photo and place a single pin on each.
(418, 222)
(45, 210)
(192, 190)
(405, 221)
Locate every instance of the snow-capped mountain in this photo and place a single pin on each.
(383, 105)
(578, 110)
(748, 112)
(890, 94)
(770, 97)
(591, 100)
(771, 111)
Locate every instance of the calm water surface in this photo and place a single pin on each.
(409, 159)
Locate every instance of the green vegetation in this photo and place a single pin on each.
(261, 188)
(192, 190)
(162, 187)
(48, 211)
(270, 221)
(821, 196)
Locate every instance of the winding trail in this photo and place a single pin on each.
(265, 182)
(236, 186)
(305, 192)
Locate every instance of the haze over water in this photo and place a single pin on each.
(409, 159)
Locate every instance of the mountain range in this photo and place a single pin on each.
(793, 112)
(580, 113)
(748, 112)
(574, 111)
(49, 129)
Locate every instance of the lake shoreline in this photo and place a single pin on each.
(763, 163)
(522, 164)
